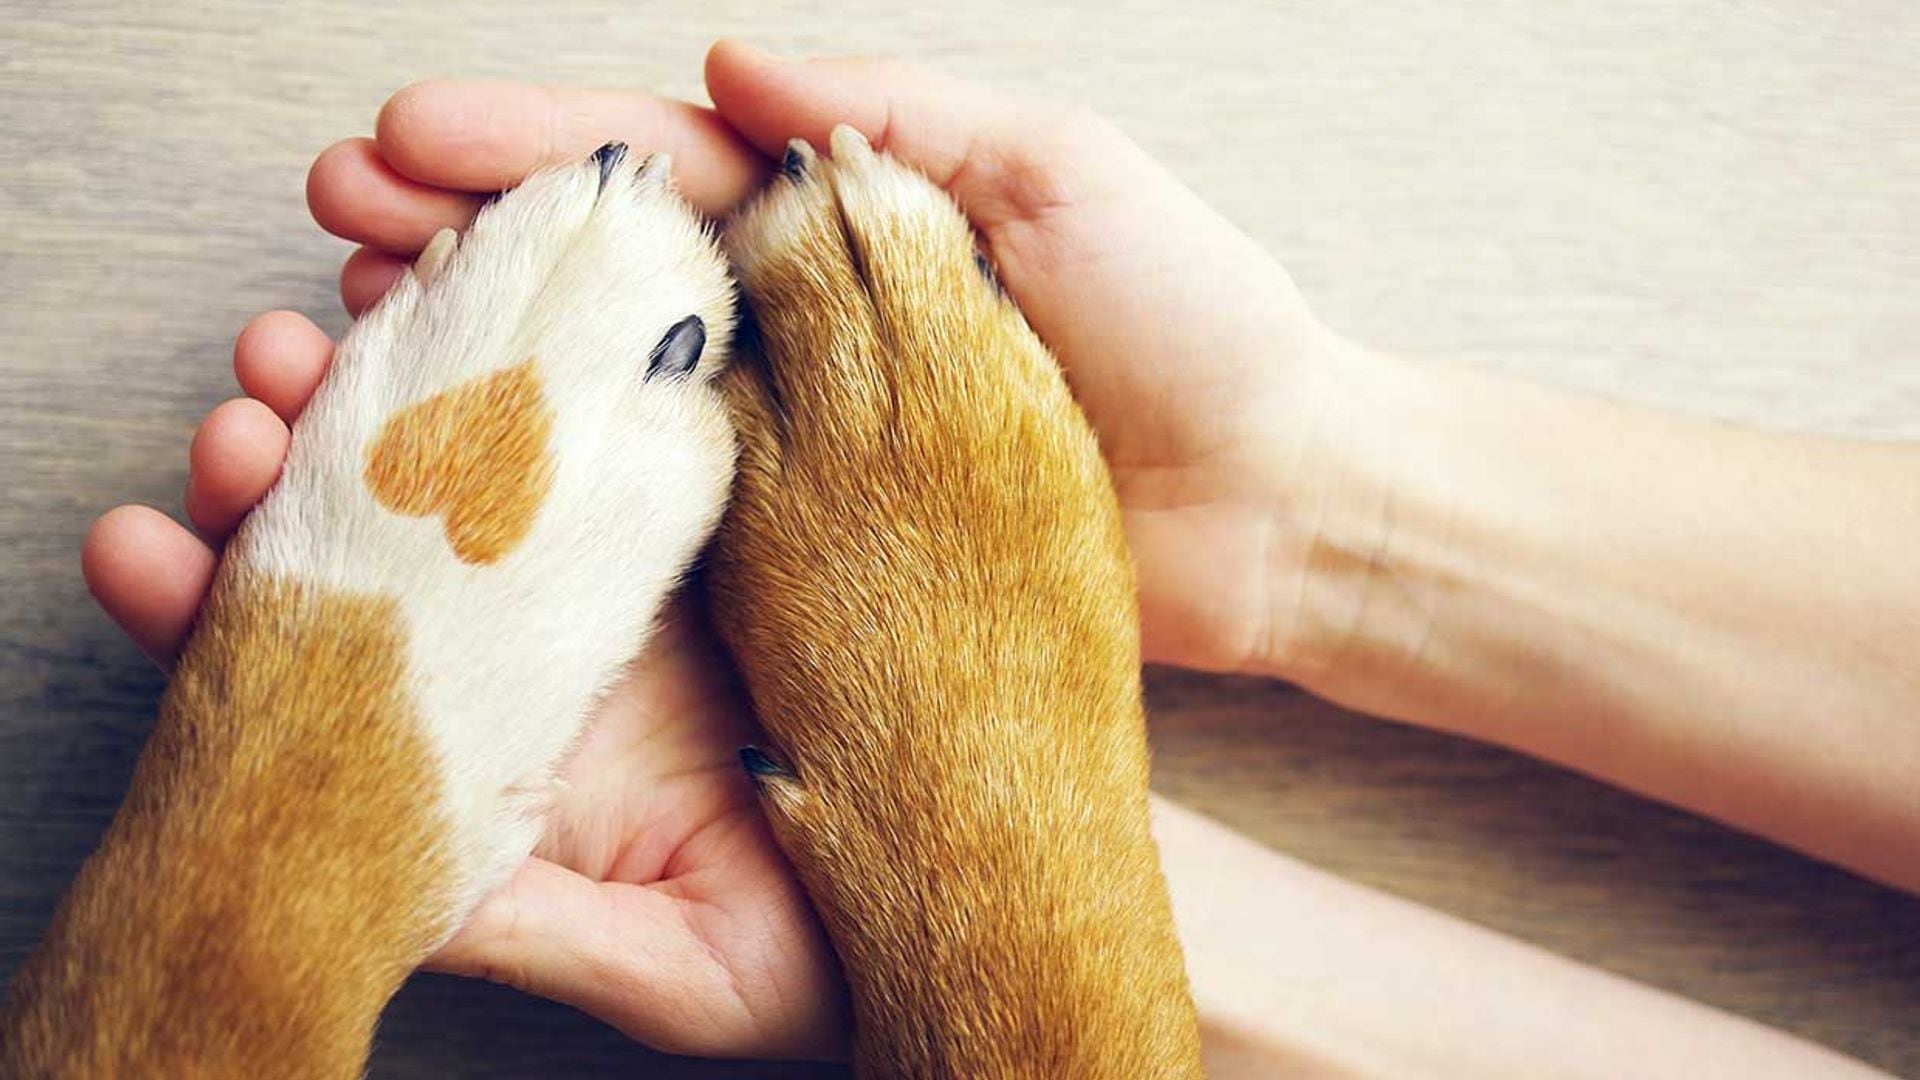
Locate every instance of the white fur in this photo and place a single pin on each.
(506, 660)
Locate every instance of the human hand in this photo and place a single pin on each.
(1186, 345)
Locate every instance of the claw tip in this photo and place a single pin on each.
(758, 764)
(848, 143)
(798, 159)
(609, 157)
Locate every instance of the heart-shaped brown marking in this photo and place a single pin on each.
(477, 455)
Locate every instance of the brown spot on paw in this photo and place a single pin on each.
(476, 455)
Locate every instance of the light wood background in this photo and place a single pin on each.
(1706, 207)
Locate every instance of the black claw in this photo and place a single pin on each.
(798, 161)
(609, 158)
(758, 764)
(985, 266)
(792, 165)
(679, 350)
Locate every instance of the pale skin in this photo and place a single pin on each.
(1709, 616)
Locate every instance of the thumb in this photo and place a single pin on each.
(1003, 159)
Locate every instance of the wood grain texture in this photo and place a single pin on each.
(1707, 208)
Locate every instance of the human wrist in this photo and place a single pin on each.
(1613, 589)
(1333, 487)
(1449, 537)
(1401, 530)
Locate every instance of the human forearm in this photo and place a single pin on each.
(1715, 617)
(1297, 972)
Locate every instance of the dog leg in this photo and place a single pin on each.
(924, 581)
(510, 463)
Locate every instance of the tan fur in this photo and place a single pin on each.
(286, 746)
(476, 455)
(924, 581)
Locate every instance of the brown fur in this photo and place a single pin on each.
(476, 455)
(924, 580)
(265, 887)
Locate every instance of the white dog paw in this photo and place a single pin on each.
(521, 448)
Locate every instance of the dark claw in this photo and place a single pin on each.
(797, 160)
(609, 158)
(985, 266)
(679, 350)
(758, 764)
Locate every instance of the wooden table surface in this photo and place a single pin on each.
(1712, 210)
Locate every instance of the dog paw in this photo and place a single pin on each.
(923, 579)
(923, 536)
(518, 452)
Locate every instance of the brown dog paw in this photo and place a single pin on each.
(925, 582)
